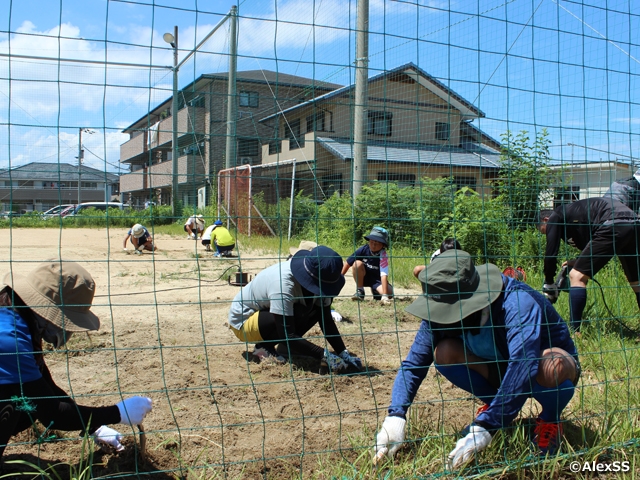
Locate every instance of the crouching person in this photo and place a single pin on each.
(494, 337)
(284, 301)
(50, 303)
(140, 238)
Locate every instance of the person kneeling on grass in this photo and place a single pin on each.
(50, 303)
(494, 337)
(371, 267)
(284, 301)
(221, 238)
(141, 239)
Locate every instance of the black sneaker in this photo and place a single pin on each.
(359, 295)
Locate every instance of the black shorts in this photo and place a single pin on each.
(619, 240)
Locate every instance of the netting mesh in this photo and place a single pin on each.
(460, 120)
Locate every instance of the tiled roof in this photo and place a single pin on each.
(55, 172)
(447, 93)
(477, 156)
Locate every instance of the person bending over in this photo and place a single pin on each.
(50, 304)
(284, 301)
(221, 238)
(601, 228)
(494, 337)
(140, 238)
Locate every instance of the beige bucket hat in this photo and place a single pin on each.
(304, 245)
(59, 291)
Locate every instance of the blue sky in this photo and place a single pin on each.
(569, 66)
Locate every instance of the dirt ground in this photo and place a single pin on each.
(163, 335)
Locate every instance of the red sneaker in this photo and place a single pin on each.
(547, 436)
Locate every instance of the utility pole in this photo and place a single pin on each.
(232, 101)
(361, 119)
(80, 158)
(80, 155)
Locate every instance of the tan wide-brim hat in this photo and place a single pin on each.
(304, 245)
(59, 291)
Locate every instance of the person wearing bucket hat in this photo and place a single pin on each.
(370, 267)
(494, 337)
(284, 301)
(50, 303)
(141, 239)
(221, 238)
(601, 228)
(626, 191)
(194, 226)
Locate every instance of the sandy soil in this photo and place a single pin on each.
(163, 335)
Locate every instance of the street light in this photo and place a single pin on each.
(173, 41)
(80, 157)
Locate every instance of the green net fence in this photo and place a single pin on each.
(292, 122)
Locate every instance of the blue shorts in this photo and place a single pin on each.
(374, 283)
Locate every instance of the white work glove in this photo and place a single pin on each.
(108, 436)
(384, 300)
(390, 437)
(350, 360)
(134, 409)
(476, 440)
(336, 316)
(551, 291)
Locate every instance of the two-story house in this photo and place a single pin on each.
(38, 186)
(417, 127)
(202, 134)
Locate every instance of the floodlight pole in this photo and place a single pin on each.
(360, 122)
(174, 101)
(174, 127)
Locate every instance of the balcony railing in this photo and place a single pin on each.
(190, 121)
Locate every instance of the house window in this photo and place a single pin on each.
(248, 147)
(315, 122)
(249, 99)
(564, 195)
(461, 182)
(443, 131)
(296, 140)
(195, 102)
(90, 185)
(402, 179)
(379, 123)
(332, 184)
(275, 146)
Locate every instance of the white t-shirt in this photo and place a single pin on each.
(207, 233)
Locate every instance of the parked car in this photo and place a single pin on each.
(98, 206)
(56, 211)
(7, 215)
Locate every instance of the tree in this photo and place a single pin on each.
(525, 173)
